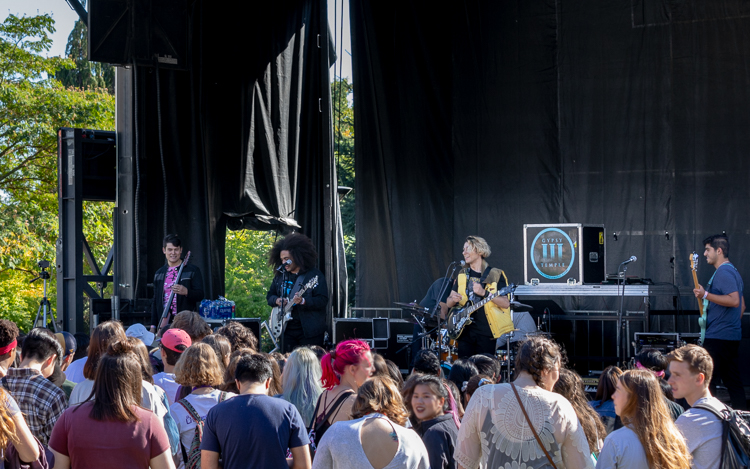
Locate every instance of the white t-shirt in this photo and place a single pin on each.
(703, 432)
(151, 396)
(166, 382)
(75, 370)
(202, 403)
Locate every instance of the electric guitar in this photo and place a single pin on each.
(460, 317)
(282, 315)
(702, 318)
(164, 321)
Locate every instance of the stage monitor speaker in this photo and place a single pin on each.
(399, 335)
(564, 253)
(144, 31)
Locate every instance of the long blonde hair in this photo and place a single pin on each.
(647, 414)
(7, 425)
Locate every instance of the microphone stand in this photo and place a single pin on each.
(436, 309)
(284, 299)
(620, 322)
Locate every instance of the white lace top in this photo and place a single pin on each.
(494, 432)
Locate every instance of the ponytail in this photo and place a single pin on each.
(328, 379)
(333, 364)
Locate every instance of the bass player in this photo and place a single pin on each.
(474, 283)
(188, 290)
(294, 258)
(724, 304)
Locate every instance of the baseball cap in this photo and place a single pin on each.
(139, 331)
(174, 337)
(67, 342)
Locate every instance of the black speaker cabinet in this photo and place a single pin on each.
(392, 336)
(564, 253)
(144, 31)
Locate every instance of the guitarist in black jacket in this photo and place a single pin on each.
(294, 258)
(188, 291)
(479, 280)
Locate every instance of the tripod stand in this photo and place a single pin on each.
(44, 304)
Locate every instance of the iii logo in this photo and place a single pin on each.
(552, 253)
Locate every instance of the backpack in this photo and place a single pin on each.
(735, 438)
(192, 457)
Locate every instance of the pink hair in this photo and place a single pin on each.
(452, 406)
(348, 352)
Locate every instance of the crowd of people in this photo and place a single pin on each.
(198, 398)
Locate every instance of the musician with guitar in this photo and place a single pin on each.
(724, 305)
(476, 282)
(184, 284)
(299, 285)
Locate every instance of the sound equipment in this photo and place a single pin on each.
(570, 253)
(145, 31)
(664, 342)
(251, 323)
(384, 335)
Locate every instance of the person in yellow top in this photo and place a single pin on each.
(475, 282)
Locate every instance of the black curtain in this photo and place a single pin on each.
(480, 117)
(246, 138)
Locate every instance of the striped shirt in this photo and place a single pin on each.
(40, 401)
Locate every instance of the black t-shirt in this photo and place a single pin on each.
(480, 325)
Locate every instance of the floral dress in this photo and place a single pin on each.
(494, 432)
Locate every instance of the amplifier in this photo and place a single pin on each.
(690, 338)
(664, 342)
(385, 336)
(569, 253)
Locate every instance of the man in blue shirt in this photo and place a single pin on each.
(254, 429)
(723, 306)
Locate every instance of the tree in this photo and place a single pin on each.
(343, 138)
(85, 75)
(33, 105)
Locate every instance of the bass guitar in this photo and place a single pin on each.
(280, 315)
(460, 317)
(702, 318)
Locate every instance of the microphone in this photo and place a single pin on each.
(462, 263)
(632, 259)
(284, 264)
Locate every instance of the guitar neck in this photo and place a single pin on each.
(478, 305)
(696, 285)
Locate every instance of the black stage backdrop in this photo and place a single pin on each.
(480, 117)
(246, 138)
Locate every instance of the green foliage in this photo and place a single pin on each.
(248, 275)
(84, 75)
(33, 105)
(343, 135)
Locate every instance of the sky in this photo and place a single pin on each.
(65, 17)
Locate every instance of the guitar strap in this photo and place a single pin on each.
(297, 285)
(705, 300)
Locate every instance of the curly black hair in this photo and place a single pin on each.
(301, 249)
(8, 332)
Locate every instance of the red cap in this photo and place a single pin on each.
(174, 337)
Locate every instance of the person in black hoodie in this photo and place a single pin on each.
(294, 258)
(435, 417)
